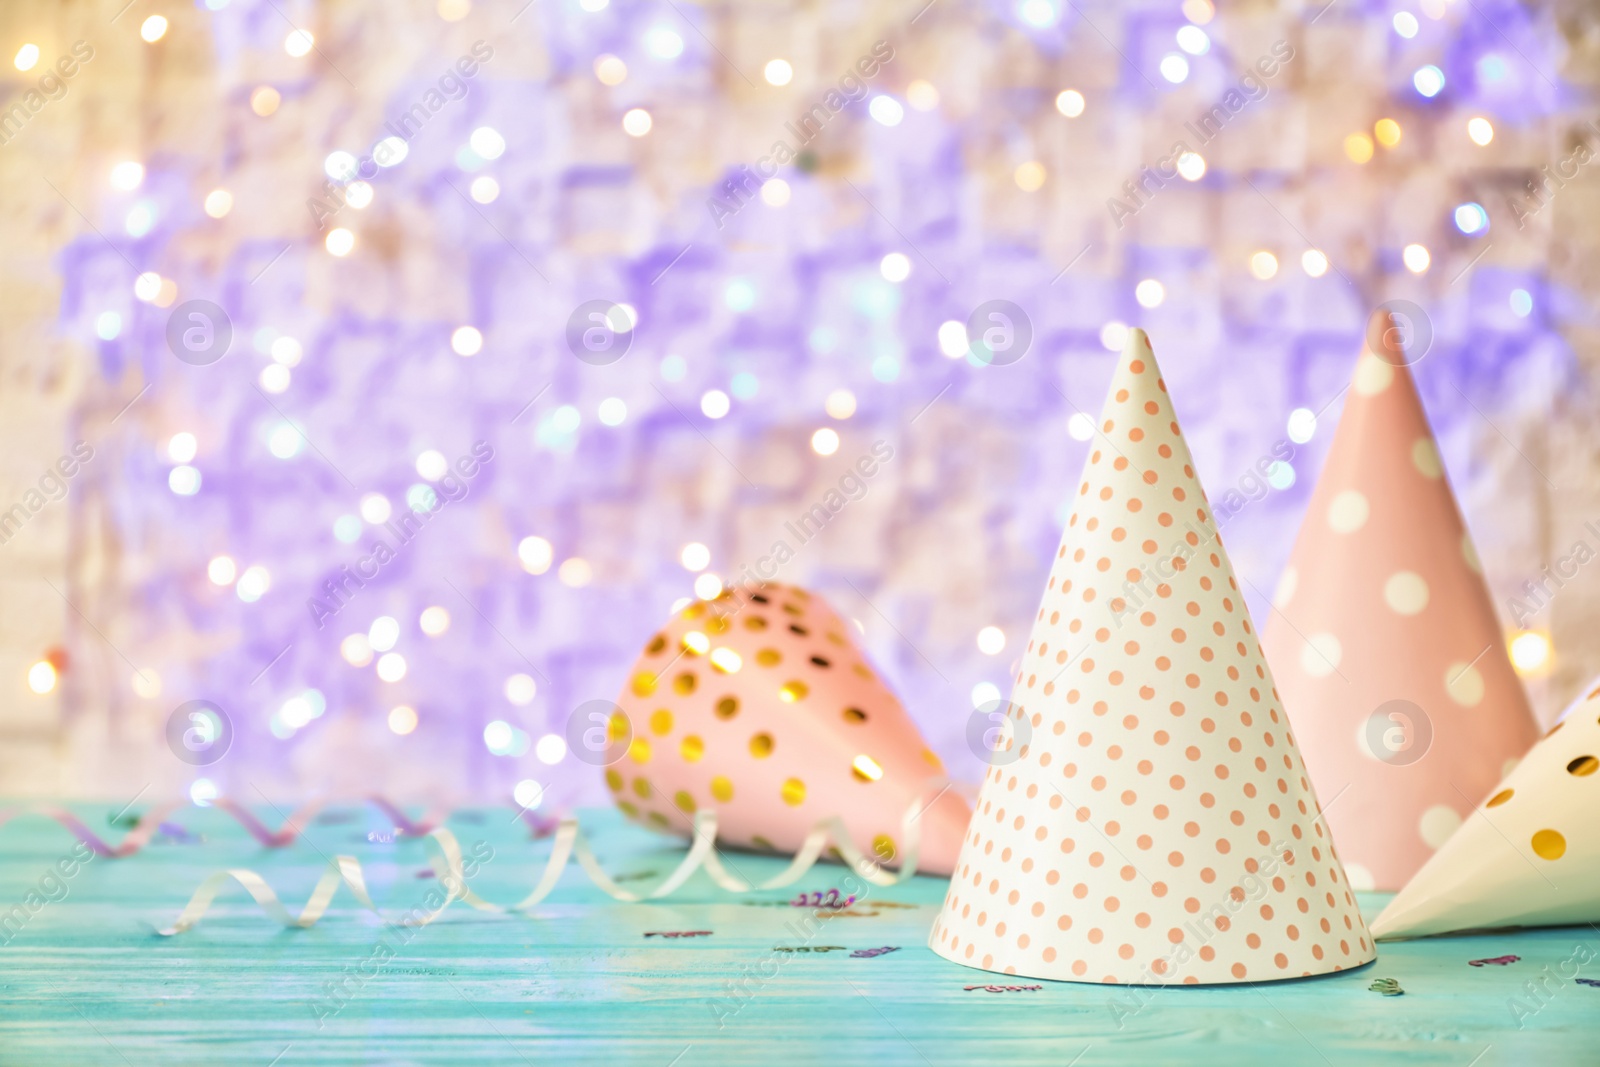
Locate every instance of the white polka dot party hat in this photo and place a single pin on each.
(1529, 855)
(1383, 637)
(1148, 819)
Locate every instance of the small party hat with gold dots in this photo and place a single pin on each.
(1529, 855)
(760, 705)
(1383, 635)
(1148, 819)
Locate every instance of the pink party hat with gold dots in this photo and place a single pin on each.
(1388, 651)
(1148, 819)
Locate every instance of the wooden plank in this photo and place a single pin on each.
(86, 980)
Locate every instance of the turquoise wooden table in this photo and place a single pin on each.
(86, 980)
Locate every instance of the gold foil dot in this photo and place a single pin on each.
(755, 622)
(796, 628)
(628, 809)
(761, 746)
(692, 748)
(883, 848)
(760, 598)
(768, 657)
(695, 643)
(614, 780)
(644, 683)
(798, 593)
(793, 792)
(727, 707)
(639, 751)
(866, 769)
(684, 802)
(726, 661)
(1499, 798)
(683, 684)
(657, 643)
(793, 692)
(659, 819)
(854, 715)
(694, 611)
(818, 661)
(661, 721)
(722, 789)
(716, 624)
(836, 637)
(617, 726)
(1583, 766)
(1549, 844)
(641, 788)
(933, 759)
(761, 842)
(861, 669)
(794, 609)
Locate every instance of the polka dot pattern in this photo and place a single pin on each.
(1528, 855)
(1157, 825)
(1423, 705)
(760, 707)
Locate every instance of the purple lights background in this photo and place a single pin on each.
(776, 306)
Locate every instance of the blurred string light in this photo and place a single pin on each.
(1040, 14)
(714, 404)
(1428, 80)
(535, 554)
(984, 693)
(487, 142)
(739, 294)
(613, 411)
(1174, 67)
(274, 378)
(1280, 475)
(286, 350)
(1263, 264)
(886, 110)
(375, 508)
(27, 57)
(432, 465)
(1405, 24)
(218, 203)
(708, 586)
(454, 10)
(825, 442)
(1302, 425)
(778, 72)
(265, 100)
(356, 650)
(895, 267)
(922, 95)
(127, 175)
(108, 325)
(141, 219)
(637, 122)
(339, 165)
(1080, 426)
(1314, 262)
(1387, 132)
(466, 341)
(146, 683)
(340, 241)
(253, 584)
(1358, 146)
(299, 43)
(1070, 103)
(1191, 166)
(434, 620)
(841, 404)
(1521, 303)
(384, 633)
(184, 480)
(391, 151)
(484, 190)
(1149, 293)
(744, 385)
(664, 43)
(1416, 258)
(520, 689)
(1480, 130)
(1530, 652)
(991, 640)
(775, 192)
(551, 749)
(1471, 218)
(402, 719)
(42, 677)
(202, 791)
(575, 573)
(1198, 12)
(153, 28)
(1113, 335)
(391, 667)
(182, 447)
(953, 339)
(358, 195)
(1193, 39)
(285, 442)
(695, 556)
(529, 793)
(1029, 176)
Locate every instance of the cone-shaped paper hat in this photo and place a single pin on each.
(1529, 855)
(760, 705)
(1153, 823)
(1384, 640)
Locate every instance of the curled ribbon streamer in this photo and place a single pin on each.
(147, 826)
(567, 841)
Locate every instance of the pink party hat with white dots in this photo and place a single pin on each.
(1388, 652)
(1529, 855)
(1147, 819)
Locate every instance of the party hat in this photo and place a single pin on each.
(759, 705)
(1384, 640)
(1529, 855)
(1149, 820)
